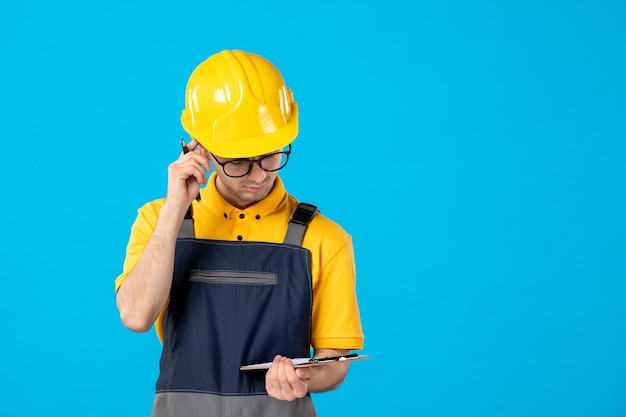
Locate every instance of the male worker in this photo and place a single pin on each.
(238, 272)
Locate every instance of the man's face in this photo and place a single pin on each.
(244, 191)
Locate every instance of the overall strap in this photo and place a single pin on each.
(298, 223)
(186, 229)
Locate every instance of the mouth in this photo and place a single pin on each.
(253, 188)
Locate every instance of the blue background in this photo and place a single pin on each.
(474, 149)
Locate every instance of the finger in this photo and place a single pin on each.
(193, 144)
(284, 386)
(186, 170)
(202, 149)
(303, 374)
(197, 157)
(271, 381)
(299, 387)
(276, 380)
(196, 172)
(205, 154)
(292, 387)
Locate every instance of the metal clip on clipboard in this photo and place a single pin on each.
(305, 362)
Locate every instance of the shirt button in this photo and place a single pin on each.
(225, 215)
(241, 216)
(239, 237)
(258, 216)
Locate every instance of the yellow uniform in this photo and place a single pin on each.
(335, 319)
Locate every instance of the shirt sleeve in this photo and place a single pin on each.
(140, 234)
(336, 320)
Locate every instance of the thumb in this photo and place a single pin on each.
(303, 373)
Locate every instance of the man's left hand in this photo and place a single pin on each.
(284, 382)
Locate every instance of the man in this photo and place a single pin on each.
(239, 272)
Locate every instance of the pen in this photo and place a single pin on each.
(186, 151)
(334, 358)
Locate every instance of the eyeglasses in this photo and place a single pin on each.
(236, 168)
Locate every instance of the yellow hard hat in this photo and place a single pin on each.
(237, 105)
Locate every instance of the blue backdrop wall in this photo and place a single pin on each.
(474, 150)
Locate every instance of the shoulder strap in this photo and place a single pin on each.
(186, 229)
(298, 223)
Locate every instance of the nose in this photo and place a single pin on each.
(257, 174)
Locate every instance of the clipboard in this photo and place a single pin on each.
(307, 362)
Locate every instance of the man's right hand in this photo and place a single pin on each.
(186, 175)
(146, 289)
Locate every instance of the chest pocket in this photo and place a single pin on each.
(233, 277)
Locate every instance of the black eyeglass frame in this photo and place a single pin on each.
(251, 162)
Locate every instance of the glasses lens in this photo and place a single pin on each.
(275, 161)
(237, 168)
